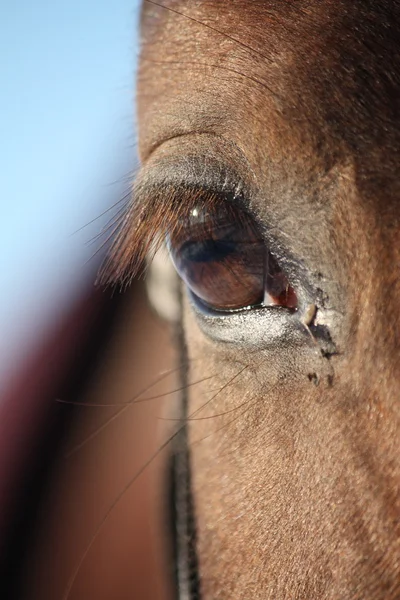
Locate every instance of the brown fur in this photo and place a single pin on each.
(296, 485)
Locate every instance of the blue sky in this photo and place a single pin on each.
(66, 142)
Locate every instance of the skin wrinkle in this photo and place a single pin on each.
(297, 492)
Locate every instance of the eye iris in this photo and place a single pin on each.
(223, 260)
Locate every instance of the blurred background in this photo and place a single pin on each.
(67, 147)
(67, 150)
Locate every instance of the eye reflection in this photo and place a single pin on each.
(223, 260)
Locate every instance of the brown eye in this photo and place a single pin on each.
(223, 260)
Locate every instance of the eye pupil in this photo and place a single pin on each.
(207, 250)
(223, 260)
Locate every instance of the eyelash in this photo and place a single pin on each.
(217, 230)
(143, 227)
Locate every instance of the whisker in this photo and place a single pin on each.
(211, 28)
(222, 414)
(251, 402)
(136, 400)
(218, 429)
(120, 411)
(227, 384)
(227, 412)
(111, 508)
(220, 67)
(128, 486)
(123, 407)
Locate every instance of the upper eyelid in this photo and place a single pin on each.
(162, 193)
(175, 187)
(189, 172)
(193, 185)
(165, 191)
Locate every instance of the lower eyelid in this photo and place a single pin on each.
(260, 327)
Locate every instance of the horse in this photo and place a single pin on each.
(269, 143)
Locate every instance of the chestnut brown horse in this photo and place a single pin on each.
(269, 139)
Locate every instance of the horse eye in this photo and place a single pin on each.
(223, 260)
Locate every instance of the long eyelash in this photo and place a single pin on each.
(142, 229)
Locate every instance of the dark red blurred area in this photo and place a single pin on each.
(25, 405)
(104, 350)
